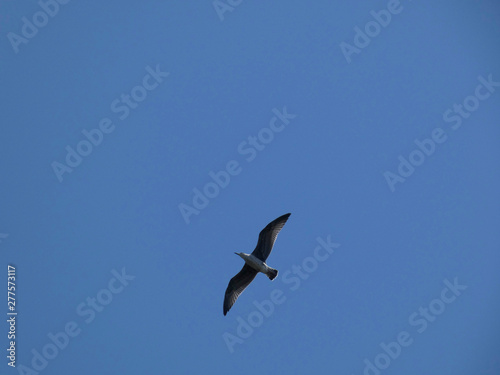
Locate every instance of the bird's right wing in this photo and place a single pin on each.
(237, 285)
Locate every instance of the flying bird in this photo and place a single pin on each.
(255, 262)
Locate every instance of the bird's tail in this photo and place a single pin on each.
(272, 273)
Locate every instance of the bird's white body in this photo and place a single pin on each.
(255, 263)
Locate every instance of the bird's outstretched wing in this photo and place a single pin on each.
(237, 285)
(267, 237)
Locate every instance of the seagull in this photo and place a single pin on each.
(255, 262)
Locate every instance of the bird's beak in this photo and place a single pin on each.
(236, 253)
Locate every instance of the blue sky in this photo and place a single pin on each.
(142, 144)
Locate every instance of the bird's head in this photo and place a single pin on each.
(239, 254)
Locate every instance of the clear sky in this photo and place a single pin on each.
(142, 144)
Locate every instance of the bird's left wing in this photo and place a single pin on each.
(237, 285)
(267, 237)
